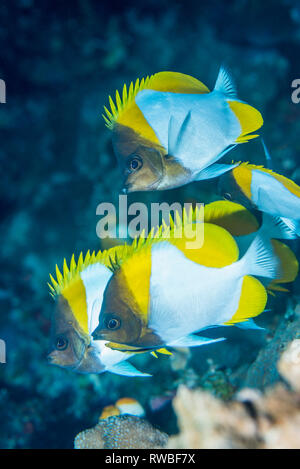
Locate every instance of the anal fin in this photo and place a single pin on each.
(126, 369)
(193, 340)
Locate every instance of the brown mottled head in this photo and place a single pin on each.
(69, 342)
(145, 165)
(123, 317)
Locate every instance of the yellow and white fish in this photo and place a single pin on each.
(125, 405)
(78, 293)
(162, 293)
(265, 190)
(169, 129)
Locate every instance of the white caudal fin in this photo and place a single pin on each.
(293, 225)
(193, 340)
(225, 83)
(260, 259)
(126, 369)
(278, 228)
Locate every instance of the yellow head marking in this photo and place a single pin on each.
(243, 176)
(68, 283)
(75, 295)
(135, 274)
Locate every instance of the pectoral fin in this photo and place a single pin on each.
(214, 170)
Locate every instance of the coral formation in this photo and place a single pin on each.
(250, 420)
(121, 432)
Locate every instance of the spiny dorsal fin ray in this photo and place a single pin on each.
(162, 81)
(70, 273)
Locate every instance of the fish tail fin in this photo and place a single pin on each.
(250, 120)
(277, 228)
(293, 225)
(260, 259)
(225, 83)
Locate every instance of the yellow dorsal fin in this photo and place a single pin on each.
(75, 295)
(177, 83)
(243, 177)
(250, 120)
(218, 250)
(126, 112)
(72, 272)
(252, 302)
(232, 216)
(211, 251)
(134, 274)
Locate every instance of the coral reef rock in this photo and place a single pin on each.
(121, 432)
(251, 420)
(263, 373)
(289, 364)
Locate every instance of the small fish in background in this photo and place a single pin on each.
(263, 189)
(161, 293)
(125, 405)
(78, 293)
(169, 129)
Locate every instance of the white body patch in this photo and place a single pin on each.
(107, 356)
(270, 195)
(212, 126)
(95, 278)
(186, 297)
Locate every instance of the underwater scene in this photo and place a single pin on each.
(150, 224)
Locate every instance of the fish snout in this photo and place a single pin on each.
(98, 334)
(52, 358)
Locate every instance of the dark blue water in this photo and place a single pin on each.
(60, 61)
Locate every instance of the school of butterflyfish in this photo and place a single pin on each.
(159, 293)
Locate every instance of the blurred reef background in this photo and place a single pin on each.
(60, 61)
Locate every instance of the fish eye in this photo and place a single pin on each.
(227, 196)
(135, 163)
(61, 343)
(113, 323)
